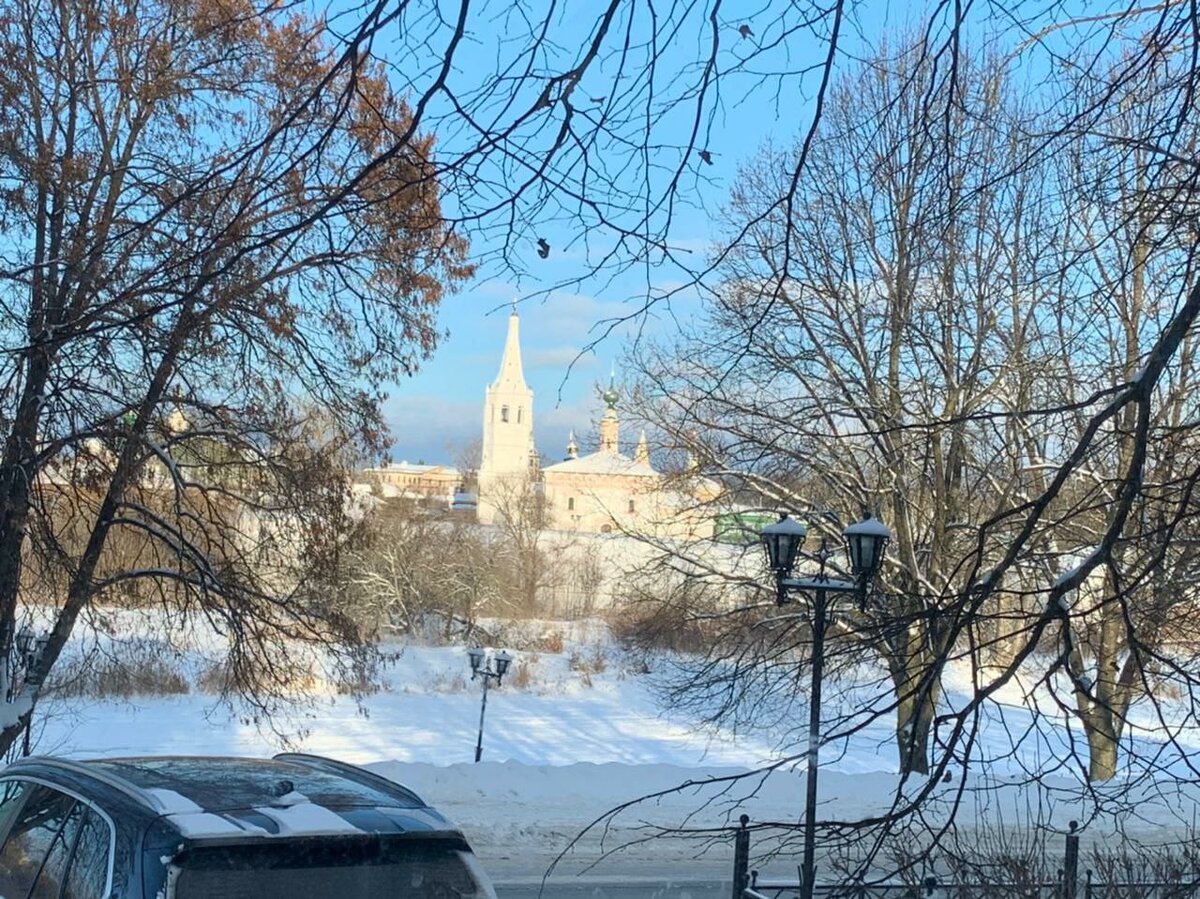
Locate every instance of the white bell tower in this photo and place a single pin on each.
(508, 451)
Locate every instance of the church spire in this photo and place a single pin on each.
(610, 426)
(642, 453)
(511, 376)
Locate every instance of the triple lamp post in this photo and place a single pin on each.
(865, 542)
(481, 666)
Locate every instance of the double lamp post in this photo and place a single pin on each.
(865, 542)
(481, 666)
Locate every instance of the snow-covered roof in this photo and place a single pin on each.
(603, 463)
(869, 527)
(411, 468)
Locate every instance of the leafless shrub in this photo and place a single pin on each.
(522, 677)
(587, 664)
(219, 677)
(140, 668)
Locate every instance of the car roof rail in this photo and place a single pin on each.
(132, 790)
(350, 772)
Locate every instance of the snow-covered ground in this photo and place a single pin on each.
(428, 713)
(581, 731)
(572, 734)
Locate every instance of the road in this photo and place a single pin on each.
(603, 888)
(671, 871)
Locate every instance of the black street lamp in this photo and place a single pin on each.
(30, 647)
(481, 666)
(866, 542)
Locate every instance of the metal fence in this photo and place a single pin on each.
(1143, 889)
(929, 889)
(749, 884)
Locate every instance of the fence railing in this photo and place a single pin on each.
(929, 889)
(1141, 889)
(748, 884)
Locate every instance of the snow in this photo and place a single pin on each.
(12, 712)
(570, 734)
(294, 797)
(304, 817)
(1067, 575)
(787, 526)
(431, 714)
(868, 527)
(171, 803)
(603, 462)
(831, 584)
(1075, 565)
(207, 824)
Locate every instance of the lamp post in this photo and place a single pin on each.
(481, 666)
(865, 541)
(30, 649)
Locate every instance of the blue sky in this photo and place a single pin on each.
(439, 411)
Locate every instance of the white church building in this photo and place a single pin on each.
(602, 492)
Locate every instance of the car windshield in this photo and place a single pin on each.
(325, 868)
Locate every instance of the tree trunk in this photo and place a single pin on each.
(1102, 751)
(917, 692)
(914, 722)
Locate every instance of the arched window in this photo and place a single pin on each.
(631, 505)
(606, 529)
(571, 504)
(520, 410)
(504, 413)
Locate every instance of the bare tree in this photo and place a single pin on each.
(467, 460)
(1044, 441)
(209, 210)
(400, 578)
(223, 208)
(1129, 625)
(852, 347)
(524, 565)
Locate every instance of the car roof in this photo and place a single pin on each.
(214, 783)
(221, 797)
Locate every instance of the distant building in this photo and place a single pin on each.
(606, 491)
(601, 492)
(415, 481)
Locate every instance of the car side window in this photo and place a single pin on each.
(12, 792)
(30, 840)
(88, 874)
(49, 881)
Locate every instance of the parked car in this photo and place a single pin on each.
(292, 827)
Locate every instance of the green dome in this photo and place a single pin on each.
(610, 397)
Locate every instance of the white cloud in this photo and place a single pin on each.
(553, 424)
(559, 358)
(439, 412)
(429, 428)
(577, 314)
